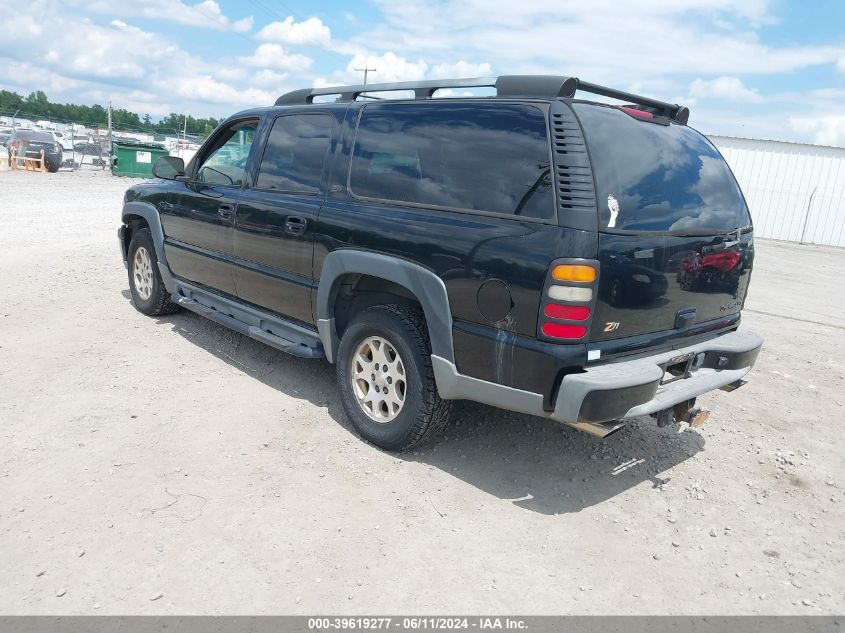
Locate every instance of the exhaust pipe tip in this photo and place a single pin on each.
(599, 429)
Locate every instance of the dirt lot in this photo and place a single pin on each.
(172, 466)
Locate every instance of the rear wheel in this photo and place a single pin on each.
(148, 292)
(386, 380)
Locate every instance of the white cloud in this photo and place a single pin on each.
(604, 41)
(207, 88)
(388, 67)
(308, 32)
(85, 62)
(274, 56)
(37, 77)
(117, 51)
(234, 73)
(460, 69)
(205, 14)
(727, 88)
(822, 130)
(23, 26)
(269, 79)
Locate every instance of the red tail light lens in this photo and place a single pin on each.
(570, 313)
(560, 330)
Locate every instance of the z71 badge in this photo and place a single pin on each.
(611, 326)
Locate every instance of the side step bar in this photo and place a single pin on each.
(282, 344)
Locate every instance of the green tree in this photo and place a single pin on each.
(36, 105)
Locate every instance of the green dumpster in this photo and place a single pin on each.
(136, 159)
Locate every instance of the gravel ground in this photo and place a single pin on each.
(152, 466)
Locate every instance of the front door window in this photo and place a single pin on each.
(226, 161)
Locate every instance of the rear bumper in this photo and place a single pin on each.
(621, 389)
(627, 389)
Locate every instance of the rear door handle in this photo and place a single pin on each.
(226, 211)
(295, 225)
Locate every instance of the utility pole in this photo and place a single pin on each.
(13, 118)
(111, 150)
(365, 70)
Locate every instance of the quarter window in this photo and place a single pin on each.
(226, 161)
(295, 153)
(475, 156)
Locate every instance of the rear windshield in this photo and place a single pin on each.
(662, 178)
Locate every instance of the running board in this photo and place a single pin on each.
(277, 342)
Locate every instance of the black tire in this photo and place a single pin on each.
(52, 164)
(423, 415)
(157, 301)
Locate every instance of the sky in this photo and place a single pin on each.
(770, 69)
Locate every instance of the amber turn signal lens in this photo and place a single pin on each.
(573, 272)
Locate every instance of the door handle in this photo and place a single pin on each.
(226, 211)
(295, 225)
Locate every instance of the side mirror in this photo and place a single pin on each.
(169, 167)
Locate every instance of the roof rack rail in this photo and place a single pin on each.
(538, 86)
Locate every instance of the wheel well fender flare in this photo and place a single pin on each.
(149, 213)
(421, 282)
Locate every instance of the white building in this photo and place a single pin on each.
(795, 192)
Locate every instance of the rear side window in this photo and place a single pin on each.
(295, 153)
(467, 156)
(660, 178)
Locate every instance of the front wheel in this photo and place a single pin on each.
(148, 292)
(385, 378)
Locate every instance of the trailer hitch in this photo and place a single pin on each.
(684, 414)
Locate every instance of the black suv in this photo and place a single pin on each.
(30, 144)
(568, 259)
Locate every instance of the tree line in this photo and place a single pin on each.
(36, 106)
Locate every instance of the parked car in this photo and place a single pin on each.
(65, 140)
(30, 143)
(5, 135)
(490, 249)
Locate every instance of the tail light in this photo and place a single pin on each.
(643, 114)
(569, 296)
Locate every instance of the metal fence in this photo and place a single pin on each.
(795, 192)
